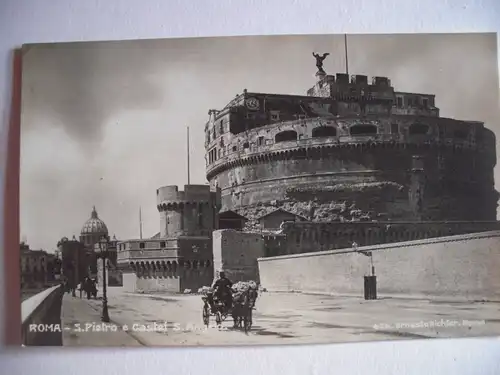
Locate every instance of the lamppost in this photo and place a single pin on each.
(370, 281)
(102, 252)
(74, 282)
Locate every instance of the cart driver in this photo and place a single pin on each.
(222, 289)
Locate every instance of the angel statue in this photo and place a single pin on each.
(319, 60)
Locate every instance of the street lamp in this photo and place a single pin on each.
(73, 286)
(102, 252)
(370, 281)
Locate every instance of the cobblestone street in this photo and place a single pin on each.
(279, 318)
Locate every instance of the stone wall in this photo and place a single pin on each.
(274, 243)
(274, 219)
(129, 282)
(338, 172)
(167, 281)
(236, 253)
(464, 266)
(307, 237)
(303, 237)
(114, 276)
(42, 309)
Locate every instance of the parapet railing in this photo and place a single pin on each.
(41, 318)
(389, 246)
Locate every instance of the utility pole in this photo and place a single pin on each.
(346, 59)
(140, 223)
(188, 171)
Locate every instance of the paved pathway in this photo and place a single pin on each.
(81, 323)
(282, 318)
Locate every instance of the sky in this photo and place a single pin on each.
(104, 123)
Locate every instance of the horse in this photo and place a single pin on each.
(242, 309)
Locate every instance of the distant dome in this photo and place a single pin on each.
(94, 225)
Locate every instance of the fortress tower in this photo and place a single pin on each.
(352, 149)
(192, 212)
(180, 256)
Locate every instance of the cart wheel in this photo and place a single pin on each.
(218, 318)
(206, 315)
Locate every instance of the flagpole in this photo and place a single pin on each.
(346, 59)
(188, 171)
(140, 223)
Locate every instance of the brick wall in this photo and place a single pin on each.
(464, 266)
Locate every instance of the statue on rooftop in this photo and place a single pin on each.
(319, 60)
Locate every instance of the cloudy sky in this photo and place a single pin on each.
(104, 123)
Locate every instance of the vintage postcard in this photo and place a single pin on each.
(260, 190)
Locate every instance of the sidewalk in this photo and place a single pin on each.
(83, 327)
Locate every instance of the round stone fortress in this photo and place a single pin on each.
(350, 150)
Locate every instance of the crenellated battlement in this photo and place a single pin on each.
(191, 194)
(192, 212)
(356, 86)
(307, 236)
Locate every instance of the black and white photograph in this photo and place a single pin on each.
(259, 190)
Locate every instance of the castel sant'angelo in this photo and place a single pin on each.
(354, 160)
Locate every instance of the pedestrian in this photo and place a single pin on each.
(81, 289)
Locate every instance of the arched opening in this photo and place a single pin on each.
(324, 131)
(287, 135)
(418, 129)
(363, 130)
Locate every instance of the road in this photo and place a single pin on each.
(279, 318)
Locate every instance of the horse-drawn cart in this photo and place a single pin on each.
(212, 306)
(243, 302)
